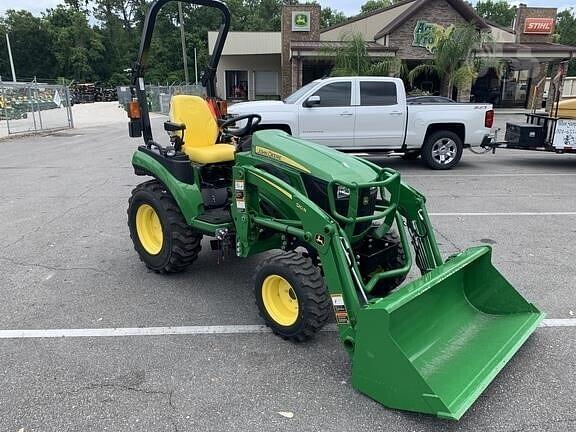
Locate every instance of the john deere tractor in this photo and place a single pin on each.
(337, 236)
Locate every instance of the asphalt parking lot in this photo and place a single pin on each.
(67, 262)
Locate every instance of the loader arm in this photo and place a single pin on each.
(432, 345)
(304, 220)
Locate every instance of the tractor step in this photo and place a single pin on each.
(216, 216)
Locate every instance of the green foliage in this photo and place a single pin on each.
(78, 48)
(351, 59)
(566, 30)
(497, 11)
(330, 17)
(454, 60)
(372, 5)
(32, 45)
(62, 43)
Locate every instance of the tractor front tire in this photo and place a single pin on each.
(291, 296)
(161, 236)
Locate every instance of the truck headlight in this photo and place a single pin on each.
(342, 192)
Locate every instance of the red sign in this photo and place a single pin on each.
(538, 25)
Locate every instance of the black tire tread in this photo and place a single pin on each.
(319, 305)
(426, 152)
(185, 242)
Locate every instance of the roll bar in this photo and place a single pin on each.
(139, 67)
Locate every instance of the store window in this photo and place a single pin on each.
(337, 94)
(237, 85)
(515, 88)
(373, 93)
(266, 85)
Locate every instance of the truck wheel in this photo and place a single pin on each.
(291, 296)
(161, 236)
(442, 150)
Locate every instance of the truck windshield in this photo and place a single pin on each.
(293, 98)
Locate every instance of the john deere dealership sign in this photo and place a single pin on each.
(301, 21)
(424, 35)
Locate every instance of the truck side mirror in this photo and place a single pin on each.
(312, 101)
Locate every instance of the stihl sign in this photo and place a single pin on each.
(538, 25)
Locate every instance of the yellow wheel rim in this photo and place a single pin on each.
(149, 229)
(280, 300)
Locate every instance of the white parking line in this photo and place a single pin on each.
(184, 330)
(506, 214)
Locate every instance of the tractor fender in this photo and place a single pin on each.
(187, 196)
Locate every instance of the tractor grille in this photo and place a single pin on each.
(318, 192)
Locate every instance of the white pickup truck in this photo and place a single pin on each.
(371, 114)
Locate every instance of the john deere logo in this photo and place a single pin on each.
(424, 35)
(300, 21)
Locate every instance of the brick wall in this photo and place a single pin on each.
(524, 12)
(438, 12)
(290, 82)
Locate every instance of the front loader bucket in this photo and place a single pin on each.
(435, 344)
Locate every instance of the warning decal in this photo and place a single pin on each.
(340, 309)
(239, 195)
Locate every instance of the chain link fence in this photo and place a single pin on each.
(159, 96)
(34, 107)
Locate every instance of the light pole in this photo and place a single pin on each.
(10, 57)
(183, 40)
(195, 67)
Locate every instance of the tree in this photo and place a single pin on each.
(31, 44)
(330, 17)
(351, 59)
(497, 11)
(453, 61)
(566, 30)
(78, 48)
(372, 5)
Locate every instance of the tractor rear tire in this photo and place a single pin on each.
(291, 296)
(161, 236)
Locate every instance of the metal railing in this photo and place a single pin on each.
(33, 107)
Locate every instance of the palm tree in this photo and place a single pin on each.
(454, 62)
(351, 58)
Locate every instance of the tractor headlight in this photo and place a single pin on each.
(342, 192)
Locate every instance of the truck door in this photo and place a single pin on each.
(380, 115)
(330, 121)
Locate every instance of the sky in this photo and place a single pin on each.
(349, 7)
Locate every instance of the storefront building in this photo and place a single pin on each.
(271, 65)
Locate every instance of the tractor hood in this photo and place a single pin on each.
(315, 159)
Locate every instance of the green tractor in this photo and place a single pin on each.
(338, 236)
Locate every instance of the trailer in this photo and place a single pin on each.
(540, 132)
(551, 132)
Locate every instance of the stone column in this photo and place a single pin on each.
(290, 82)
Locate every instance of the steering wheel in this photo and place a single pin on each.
(253, 121)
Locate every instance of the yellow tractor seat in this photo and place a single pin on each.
(201, 130)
